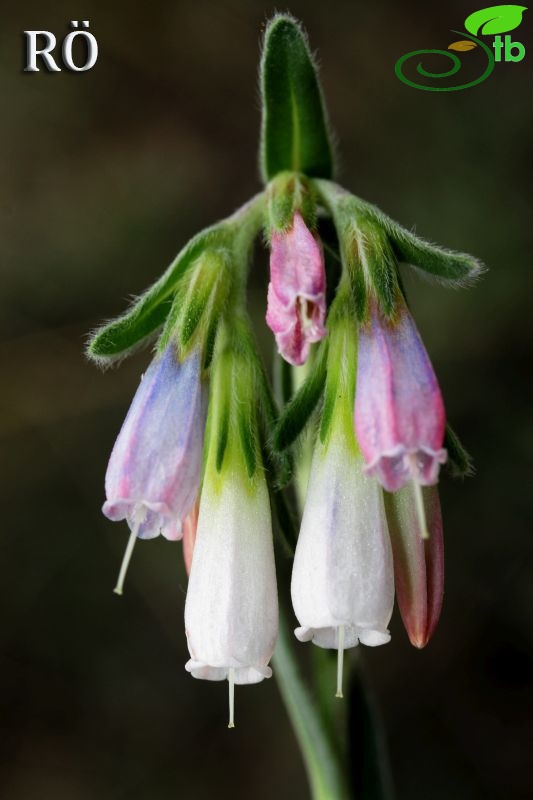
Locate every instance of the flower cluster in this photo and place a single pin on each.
(204, 448)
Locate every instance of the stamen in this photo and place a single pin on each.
(340, 659)
(419, 500)
(305, 312)
(231, 684)
(127, 555)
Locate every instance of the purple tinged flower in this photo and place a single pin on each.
(399, 411)
(342, 580)
(296, 307)
(153, 474)
(418, 562)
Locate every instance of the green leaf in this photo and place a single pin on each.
(123, 335)
(294, 132)
(448, 266)
(459, 463)
(496, 19)
(299, 409)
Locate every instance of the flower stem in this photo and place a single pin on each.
(323, 765)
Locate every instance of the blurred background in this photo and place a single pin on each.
(103, 177)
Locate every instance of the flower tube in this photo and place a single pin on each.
(153, 474)
(342, 581)
(231, 611)
(399, 411)
(297, 291)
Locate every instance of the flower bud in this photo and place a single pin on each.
(153, 474)
(418, 562)
(297, 291)
(399, 412)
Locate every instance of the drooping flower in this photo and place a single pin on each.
(297, 291)
(418, 562)
(153, 474)
(342, 576)
(342, 581)
(399, 411)
(231, 612)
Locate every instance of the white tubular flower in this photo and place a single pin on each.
(342, 581)
(231, 611)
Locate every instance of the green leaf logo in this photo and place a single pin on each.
(496, 19)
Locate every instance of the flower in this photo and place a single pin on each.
(399, 411)
(296, 307)
(153, 474)
(231, 611)
(418, 563)
(342, 580)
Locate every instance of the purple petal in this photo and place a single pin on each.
(399, 412)
(154, 469)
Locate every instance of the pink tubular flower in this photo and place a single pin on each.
(418, 562)
(153, 474)
(399, 412)
(297, 291)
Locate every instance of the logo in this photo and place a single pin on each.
(491, 21)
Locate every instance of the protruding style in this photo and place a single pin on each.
(153, 474)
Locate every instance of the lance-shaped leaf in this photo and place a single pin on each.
(447, 266)
(418, 562)
(294, 131)
(121, 336)
(496, 19)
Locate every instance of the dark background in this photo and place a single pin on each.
(103, 177)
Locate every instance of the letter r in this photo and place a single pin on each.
(44, 53)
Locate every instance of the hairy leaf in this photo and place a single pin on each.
(149, 312)
(294, 131)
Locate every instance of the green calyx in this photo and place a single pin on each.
(242, 412)
(288, 193)
(372, 245)
(339, 392)
(294, 128)
(188, 300)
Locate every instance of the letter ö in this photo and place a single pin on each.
(45, 53)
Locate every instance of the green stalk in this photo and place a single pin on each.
(324, 769)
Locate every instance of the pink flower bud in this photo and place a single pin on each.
(418, 562)
(297, 291)
(399, 412)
